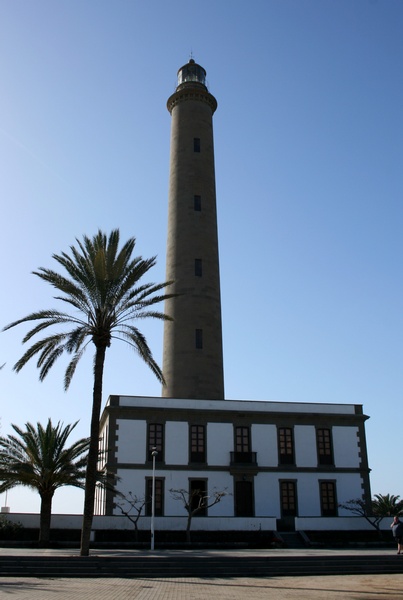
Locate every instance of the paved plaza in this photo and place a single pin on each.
(329, 587)
(348, 587)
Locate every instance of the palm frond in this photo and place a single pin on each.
(102, 283)
(40, 459)
(71, 367)
(139, 344)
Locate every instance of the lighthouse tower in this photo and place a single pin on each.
(193, 356)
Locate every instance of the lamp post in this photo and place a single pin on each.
(153, 454)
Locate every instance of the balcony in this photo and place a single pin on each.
(243, 459)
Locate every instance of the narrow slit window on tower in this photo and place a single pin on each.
(196, 144)
(198, 267)
(199, 339)
(197, 203)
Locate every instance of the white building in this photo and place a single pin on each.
(274, 460)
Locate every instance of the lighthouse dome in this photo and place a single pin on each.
(191, 73)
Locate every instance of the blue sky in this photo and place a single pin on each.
(309, 152)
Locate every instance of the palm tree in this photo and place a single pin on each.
(103, 288)
(387, 505)
(39, 459)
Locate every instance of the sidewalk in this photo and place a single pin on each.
(347, 587)
(340, 587)
(357, 551)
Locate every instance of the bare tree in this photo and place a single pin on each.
(359, 507)
(195, 501)
(130, 503)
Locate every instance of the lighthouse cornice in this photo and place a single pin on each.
(193, 94)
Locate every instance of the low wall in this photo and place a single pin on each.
(31, 521)
(338, 524)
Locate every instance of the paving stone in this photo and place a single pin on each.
(348, 587)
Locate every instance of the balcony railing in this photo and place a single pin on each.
(243, 458)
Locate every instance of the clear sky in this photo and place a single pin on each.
(309, 155)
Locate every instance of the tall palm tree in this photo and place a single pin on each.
(39, 459)
(103, 288)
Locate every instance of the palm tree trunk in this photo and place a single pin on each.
(91, 475)
(45, 519)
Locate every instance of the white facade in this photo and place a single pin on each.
(274, 460)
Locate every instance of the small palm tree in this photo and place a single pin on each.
(387, 505)
(39, 459)
(104, 290)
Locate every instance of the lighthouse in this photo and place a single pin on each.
(278, 461)
(192, 352)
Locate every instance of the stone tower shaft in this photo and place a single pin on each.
(193, 355)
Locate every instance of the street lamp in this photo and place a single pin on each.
(153, 454)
